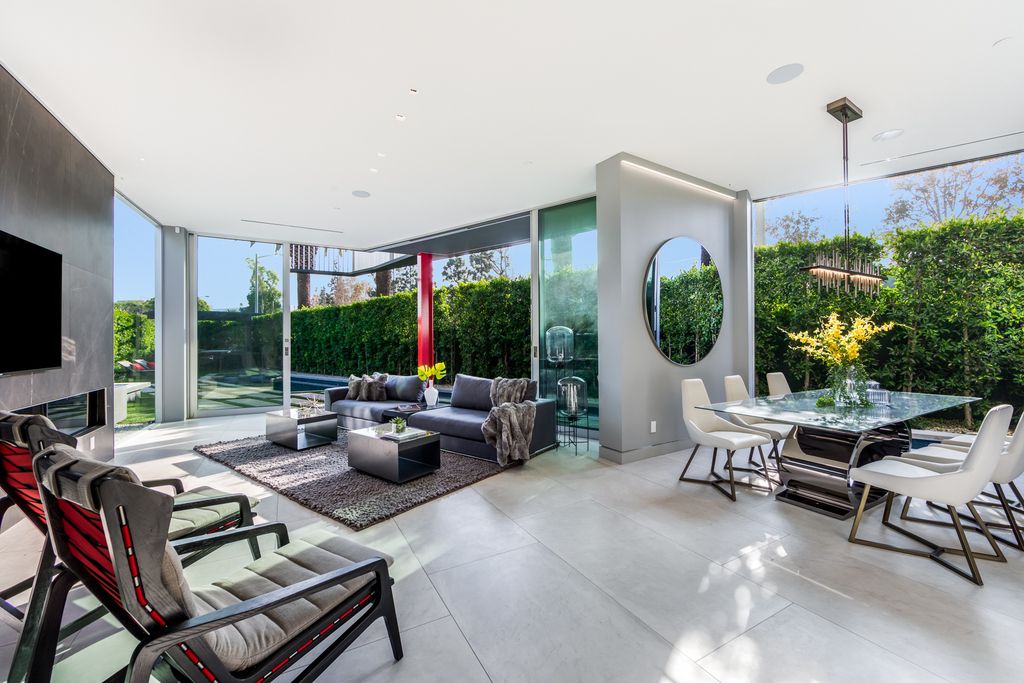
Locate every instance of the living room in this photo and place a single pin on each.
(534, 353)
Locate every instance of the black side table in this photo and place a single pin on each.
(391, 413)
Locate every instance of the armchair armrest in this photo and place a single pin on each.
(173, 483)
(334, 394)
(215, 540)
(149, 651)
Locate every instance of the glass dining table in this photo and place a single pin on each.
(814, 463)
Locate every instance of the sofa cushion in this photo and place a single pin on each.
(363, 410)
(374, 388)
(187, 522)
(355, 387)
(471, 392)
(407, 388)
(461, 422)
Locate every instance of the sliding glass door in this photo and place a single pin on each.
(237, 361)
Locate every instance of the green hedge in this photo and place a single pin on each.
(133, 336)
(955, 288)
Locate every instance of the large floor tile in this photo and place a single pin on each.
(692, 602)
(522, 491)
(436, 651)
(949, 637)
(529, 616)
(459, 528)
(707, 526)
(796, 646)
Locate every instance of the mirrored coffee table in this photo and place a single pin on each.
(301, 429)
(371, 451)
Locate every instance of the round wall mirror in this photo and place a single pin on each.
(683, 301)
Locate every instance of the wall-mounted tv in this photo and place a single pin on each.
(30, 284)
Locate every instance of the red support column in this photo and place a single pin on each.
(425, 310)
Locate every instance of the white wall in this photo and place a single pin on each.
(637, 211)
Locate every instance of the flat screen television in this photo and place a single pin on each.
(30, 287)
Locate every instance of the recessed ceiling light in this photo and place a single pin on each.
(374, 170)
(785, 73)
(381, 154)
(1002, 40)
(142, 158)
(362, 194)
(887, 134)
(400, 117)
(414, 91)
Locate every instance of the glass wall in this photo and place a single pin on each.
(951, 245)
(134, 310)
(567, 238)
(238, 326)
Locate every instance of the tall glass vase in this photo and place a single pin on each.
(847, 385)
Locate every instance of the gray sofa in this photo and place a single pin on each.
(353, 414)
(458, 423)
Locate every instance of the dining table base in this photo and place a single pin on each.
(814, 465)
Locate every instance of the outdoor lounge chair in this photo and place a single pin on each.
(112, 534)
(199, 511)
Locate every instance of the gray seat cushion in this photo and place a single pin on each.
(186, 522)
(252, 640)
(407, 388)
(364, 410)
(471, 392)
(461, 422)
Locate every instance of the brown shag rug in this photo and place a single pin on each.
(321, 480)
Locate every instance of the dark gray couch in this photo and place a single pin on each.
(458, 423)
(352, 414)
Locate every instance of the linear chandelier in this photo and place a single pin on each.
(837, 270)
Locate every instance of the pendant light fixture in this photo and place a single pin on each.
(837, 270)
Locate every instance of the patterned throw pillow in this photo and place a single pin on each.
(355, 387)
(374, 388)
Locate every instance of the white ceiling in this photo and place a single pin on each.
(275, 111)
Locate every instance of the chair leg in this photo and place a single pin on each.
(732, 475)
(1011, 518)
(860, 513)
(688, 462)
(35, 622)
(764, 466)
(965, 544)
(40, 664)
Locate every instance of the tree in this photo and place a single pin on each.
(303, 257)
(976, 189)
(490, 264)
(264, 293)
(382, 279)
(404, 279)
(455, 270)
(795, 227)
(348, 290)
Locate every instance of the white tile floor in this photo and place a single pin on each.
(572, 569)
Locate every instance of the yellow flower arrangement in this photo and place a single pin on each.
(836, 343)
(839, 346)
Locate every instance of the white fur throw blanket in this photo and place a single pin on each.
(509, 425)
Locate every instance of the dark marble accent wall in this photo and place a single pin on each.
(55, 193)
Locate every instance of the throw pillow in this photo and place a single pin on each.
(374, 388)
(471, 392)
(405, 388)
(355, 387)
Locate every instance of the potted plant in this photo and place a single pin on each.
(399, 424)
(839, 345)
(428, 373)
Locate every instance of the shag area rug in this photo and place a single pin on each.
(320, 478)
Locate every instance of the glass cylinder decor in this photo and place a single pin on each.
(572, 397)
(560, 344)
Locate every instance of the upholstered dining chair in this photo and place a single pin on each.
(705, 428)
(959, 486)
(736, 390)
(947, 457)
(111, 533)
(778, 385)
(198, 511)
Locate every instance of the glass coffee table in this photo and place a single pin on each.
(299, 429)
(815, 462)
(371, 451)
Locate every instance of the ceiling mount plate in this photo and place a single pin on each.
(844, 110)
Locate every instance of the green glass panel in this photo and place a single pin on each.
(568, 297)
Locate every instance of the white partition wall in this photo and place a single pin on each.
(640, 206)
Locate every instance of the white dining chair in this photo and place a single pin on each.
(1010, 466)
(736, 390)
(706, 428)
(958, 486)
(778, 385)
